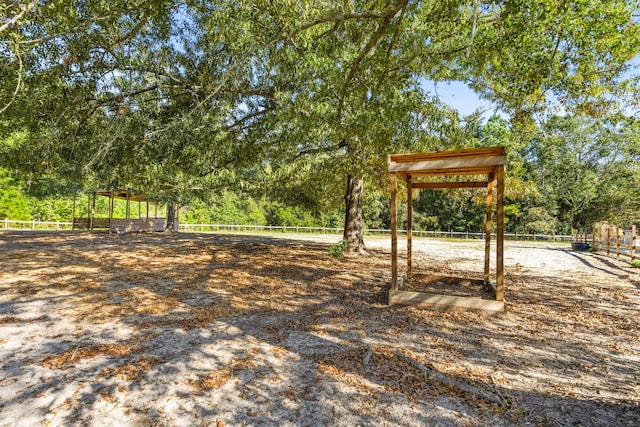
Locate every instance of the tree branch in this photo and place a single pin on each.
(19, 16)
(18, 83)
(336, 19)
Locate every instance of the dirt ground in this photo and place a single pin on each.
(202, 329)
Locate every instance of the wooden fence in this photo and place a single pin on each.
(611, 239)
(8, 224)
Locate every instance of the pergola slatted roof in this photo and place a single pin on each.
(487, 161)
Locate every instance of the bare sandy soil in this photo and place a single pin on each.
(201, 329)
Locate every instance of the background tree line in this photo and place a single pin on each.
(569, 174)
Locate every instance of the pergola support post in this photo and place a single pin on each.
(487, 229)
(394, 232)
(93, 211)
(409, 225)
(500, 234)
(73, 212)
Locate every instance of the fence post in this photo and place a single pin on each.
(617, 242)
(608, 240)
(633, 242)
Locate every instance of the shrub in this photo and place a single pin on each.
(338, 250)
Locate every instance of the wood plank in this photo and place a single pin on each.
(443, 302)
(409, 224)
(487, 229)
(437, 155)
(500, 234)
(454, 172)
(394, 233)
(466, 184)
(454, 163)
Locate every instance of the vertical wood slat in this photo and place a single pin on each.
(73, 212)
(394, 235)
(618, 242)
(128, 207)
(93, 211)
(500, 234)
(110, 209)
(633, 242)
(487, 228)
(409, 224)
(608, 240)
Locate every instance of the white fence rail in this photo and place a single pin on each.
(8, 224)
(217, 228)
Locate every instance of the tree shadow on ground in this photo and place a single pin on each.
(266, 332)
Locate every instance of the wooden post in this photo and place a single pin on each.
(633, 242)
(394, 231)
(500, 234)
(617, 242)
(128, 208)
(93, 210)
(593, 238)
(110, 208)
(139, 210)
(608, 240)
(487, 229)
(73, 212)
(409, 224)
(147, 209)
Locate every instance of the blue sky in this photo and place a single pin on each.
(459, 96)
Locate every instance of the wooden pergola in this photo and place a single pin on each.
(131, 222)
(432, 170)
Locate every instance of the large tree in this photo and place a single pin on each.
(171, 93)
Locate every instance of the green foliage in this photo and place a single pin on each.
(188, 98)
(13, 203)
(338, 250)
(635, 263)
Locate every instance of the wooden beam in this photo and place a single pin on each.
(439, 155)
(466, 184)
(453, 172)
(409, 224)
(394, 233)
(443, 302)
(500, 234)
(445, 164)
(487, 229)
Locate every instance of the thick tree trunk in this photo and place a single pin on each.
(353, 215)
(171, 217)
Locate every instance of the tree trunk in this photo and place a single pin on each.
(171, 216)
(353, 215)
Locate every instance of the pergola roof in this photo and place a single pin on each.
(476, 161)
(124, 195)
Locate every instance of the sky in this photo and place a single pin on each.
(459, 96)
